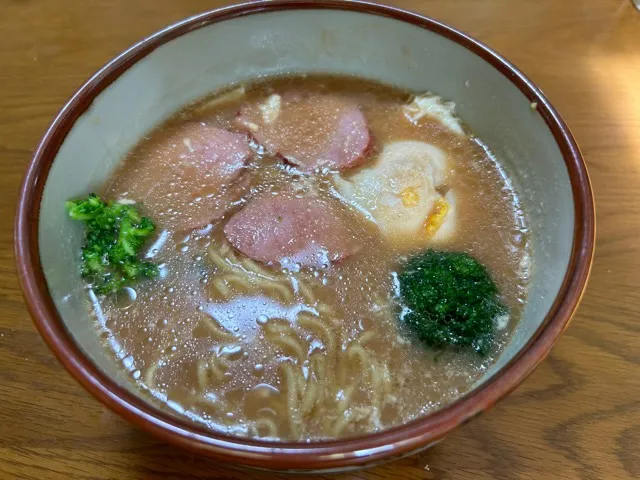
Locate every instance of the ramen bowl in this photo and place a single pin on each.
(146, 84)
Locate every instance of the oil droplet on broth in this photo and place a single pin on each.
(231, 352)
(125, 297)
(260, 398)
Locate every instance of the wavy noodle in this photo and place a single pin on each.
(253, 267)
(306, 292)
(286, 339)
(342, 369)
(335, 375)
(202, 375)
(376, 386)
(387, 386)
(317, 383)
(302, 382)
(310, 397)
(267, 424)
(279, 327)
(249, 275)
(225, 258)
(366, 337)
(212, 369)
(216, 329)
(324, 309)
(341, 423)
(149, 378)
(319, 366)
(345, 402)
(217, 368)
(221, 285)
(293, 401)
(375, 373)
(303, 397)
(205, 401)
(238, 280)
(357, 351)
(316, 325)
(250, 283)
(285, 292)
(353, 351)
(218, 260)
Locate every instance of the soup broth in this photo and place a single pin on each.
(309, 347)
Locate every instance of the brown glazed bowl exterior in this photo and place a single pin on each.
(324, 456)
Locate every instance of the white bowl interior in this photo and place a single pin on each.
(366, 45)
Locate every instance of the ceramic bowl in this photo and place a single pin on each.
(143, 86)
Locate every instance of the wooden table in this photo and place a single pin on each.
(577, 416)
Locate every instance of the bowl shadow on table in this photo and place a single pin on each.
(475, 451)
(151, 459)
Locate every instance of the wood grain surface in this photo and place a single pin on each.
(577, 416)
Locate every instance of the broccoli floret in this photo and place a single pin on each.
(449, 299)
(115, 234)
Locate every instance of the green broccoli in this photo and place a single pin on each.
(115, 233)
(449, 298)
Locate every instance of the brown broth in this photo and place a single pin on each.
(163, 336)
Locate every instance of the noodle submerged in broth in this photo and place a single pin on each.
(308, 347)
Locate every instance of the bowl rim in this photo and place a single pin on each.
(328, 454)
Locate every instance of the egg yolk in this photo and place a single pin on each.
(410, 197)
(436, 217)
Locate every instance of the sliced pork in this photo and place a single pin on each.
(310, 131)
(306, 231)
(191, 177)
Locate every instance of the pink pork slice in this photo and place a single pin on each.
(307, 231)
(312, 131)
(214, 157)
(190, 177)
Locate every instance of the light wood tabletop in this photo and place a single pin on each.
(577, 416)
